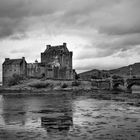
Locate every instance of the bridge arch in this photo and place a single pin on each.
(130, 85)
(131, 82)
(117, 82)
(116, 85)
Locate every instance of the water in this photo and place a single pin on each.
(67, 118)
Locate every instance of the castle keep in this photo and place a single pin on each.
(13, 66)
(56, 63)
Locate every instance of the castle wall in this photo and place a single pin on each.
(35, 70)
(23, 68)
(59, 73)
(9, 71)
(49, 72)
(69, 74)
(14, 68)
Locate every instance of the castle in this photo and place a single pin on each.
(56, 63)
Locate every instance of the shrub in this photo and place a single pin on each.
(134, 77)
(39, 85)
(75, 83)
(77, 76)
(14, 80)
(42, 75)
(117, 77)
(64, 85)
(94, 77)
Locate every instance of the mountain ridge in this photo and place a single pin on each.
(125, 71)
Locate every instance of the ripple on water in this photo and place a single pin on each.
(66, 118)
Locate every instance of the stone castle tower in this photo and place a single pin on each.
(58, 62)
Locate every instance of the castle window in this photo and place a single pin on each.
(49, 69)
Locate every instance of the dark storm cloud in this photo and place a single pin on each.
(110, 47)
(123, 19)
(109, 17)
(120, 30)
(118, 20)
(121, 43)
(17, 16)
(10, 26)
(27, 8)
(101, 29)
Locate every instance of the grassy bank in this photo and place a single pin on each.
(130, 99)
(44, 86)
(56, 87)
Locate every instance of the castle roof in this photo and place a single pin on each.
(13, 62)
(62, 48)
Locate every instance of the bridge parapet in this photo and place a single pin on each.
(114, 83)
(101, 83)
(132, 81)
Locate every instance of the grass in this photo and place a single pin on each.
(75, 83)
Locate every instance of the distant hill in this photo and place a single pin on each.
(122, 71)
(95, 73)
(125, 71)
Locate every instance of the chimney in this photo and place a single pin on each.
(23, 58)
(6, 59)
(65, 44)
(48, 46)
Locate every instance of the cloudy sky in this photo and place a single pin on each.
(102, 34)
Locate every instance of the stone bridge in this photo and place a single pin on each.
(114, 83)
(127, 84)
(132, 81)
(101, 83)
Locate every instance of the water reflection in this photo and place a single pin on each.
(53, 113)
(59, 118)
(14, 113)
(65, 117)
(57, 125)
